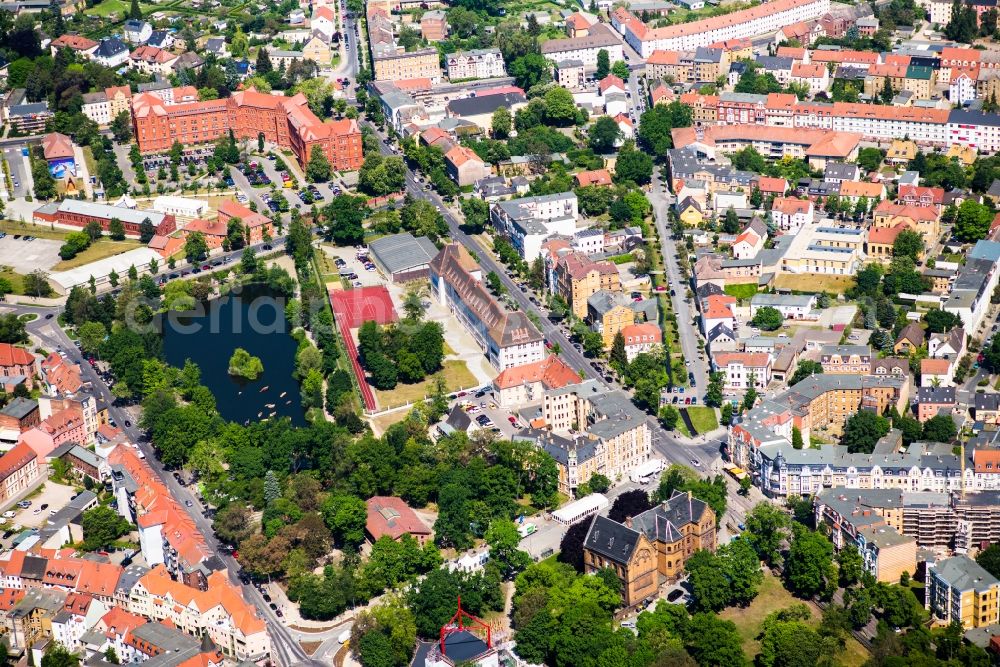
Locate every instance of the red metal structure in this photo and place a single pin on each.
(451, 626)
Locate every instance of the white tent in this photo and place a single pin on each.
(581, 509)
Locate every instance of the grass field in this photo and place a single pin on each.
(14, 227)
(773, 597)
(16, 279)
(101, 250)
(456, 376)
(702, 417)
(108, 7)
(814, 283)
(745, 291)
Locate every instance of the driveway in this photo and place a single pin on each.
(17, 171)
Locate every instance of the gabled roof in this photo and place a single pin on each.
(552, 372)
(611, 539)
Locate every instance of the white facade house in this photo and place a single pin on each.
(111, 53)
(791, 306)
(476, 64)
(182, 208)
(741, 367)
(96, 108)
(529, 221)
(790, 215)
(962, 89)
(137, 31)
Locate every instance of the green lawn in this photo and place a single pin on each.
(108, 7)
(771, 598)
(703, 418)
(103, 249)
(744, 291)
(456, 376)
(15, 227)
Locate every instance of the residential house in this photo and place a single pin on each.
(933, 400)
(741, 368)
(464, 166)
(641, 338)
(790, 214)
(523, 385)
(846, 359)
(909, 340)
(577, 278)
(937, 372)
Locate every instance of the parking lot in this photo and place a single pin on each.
(51, 498)
(354, 269)
(26, 256)
(483, 410)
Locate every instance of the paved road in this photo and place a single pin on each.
(552, 333)
(689, 334)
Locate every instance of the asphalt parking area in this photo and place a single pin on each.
(55, 496)
(352, 263)
(26, 256)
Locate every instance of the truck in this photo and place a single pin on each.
(526, 529)
(646, 471)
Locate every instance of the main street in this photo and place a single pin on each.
(665, 443)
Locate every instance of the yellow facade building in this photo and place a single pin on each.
(959, 589)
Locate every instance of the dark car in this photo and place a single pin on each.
(49, 316)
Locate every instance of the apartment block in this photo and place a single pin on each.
(476, 64)
(885, 551)
(527, 222)
(585, 49)
(960, 590)
(393, 65)
(589, 430)
(577, 278)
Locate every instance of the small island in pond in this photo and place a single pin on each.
(243, 365)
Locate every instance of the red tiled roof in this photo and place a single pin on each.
(593, 177)
(790, 205)
(15, 356)
(551, 372)
(934, 366)
(638, 334)
(391, 516)
(748, 359)
(75, 42)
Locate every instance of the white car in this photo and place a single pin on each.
(9, 514)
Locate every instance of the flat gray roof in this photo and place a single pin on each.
(403, 252)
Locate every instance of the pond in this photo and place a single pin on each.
(255, 321)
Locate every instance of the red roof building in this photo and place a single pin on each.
(286, 121)
(390, 516)
(17, 361)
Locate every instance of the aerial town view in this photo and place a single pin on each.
(499, 333)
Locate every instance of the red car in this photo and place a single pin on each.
(687, 401)
(512, 420)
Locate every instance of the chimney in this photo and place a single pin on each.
(628, 522)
